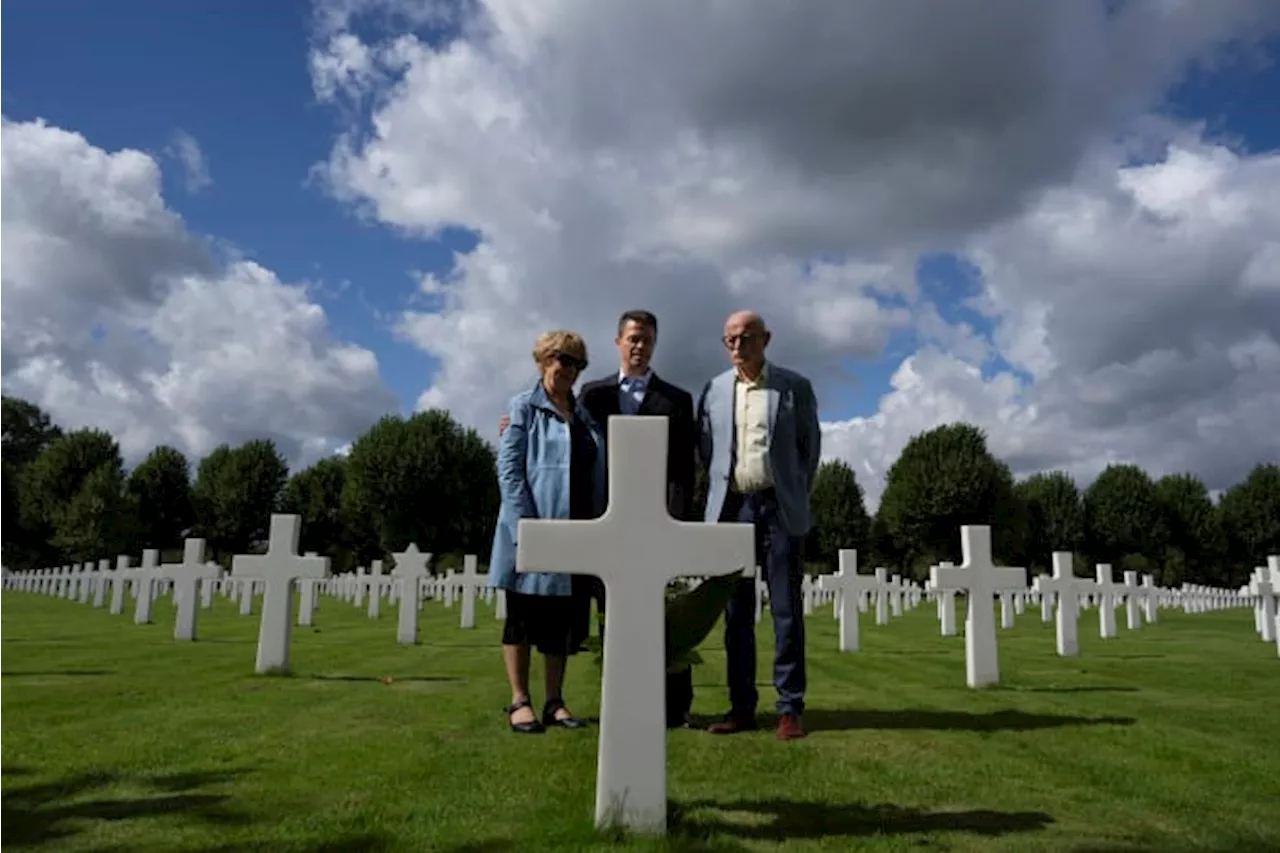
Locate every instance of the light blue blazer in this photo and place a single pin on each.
(533, 479)
(795, 443)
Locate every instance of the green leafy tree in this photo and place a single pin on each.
(160, 488)
(235, 492)
(1250, 517)
(315, 494)
(423, 479)
(1122, 516)
(1052, 514)
(1194, 545)
(882, 548)
(943, 479)
(56, 477)
(839, 517)
(99, 520)
(28, 430)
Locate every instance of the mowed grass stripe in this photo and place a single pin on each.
(117, 738)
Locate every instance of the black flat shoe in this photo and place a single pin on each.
(532, 727)
(549, 716)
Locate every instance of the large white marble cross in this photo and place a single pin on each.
(636, 548)
(411, 568)
(279, 567)
(980, 579)
(186, 577)
(849, 586)
(1067, 588)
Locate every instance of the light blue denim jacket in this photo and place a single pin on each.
(533, 478)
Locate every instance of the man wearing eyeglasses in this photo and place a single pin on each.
(760, 442)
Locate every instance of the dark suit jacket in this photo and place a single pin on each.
(600, 398)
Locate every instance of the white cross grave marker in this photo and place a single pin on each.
(411, 568)
(279, 567)
(636, 548)
(470, 582)
(186, 577)
(848, 586)
(1106, 602)
(1150, 600)
(119, 580)
(980, 579)
(374, 579)
(1132, 609)
(103, 578)
(1067, 588)
(146, 585)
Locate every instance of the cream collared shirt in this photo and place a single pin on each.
(751, 471)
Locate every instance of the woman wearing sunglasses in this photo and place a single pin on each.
(551, 464)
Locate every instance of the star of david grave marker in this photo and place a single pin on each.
(636, 548)
(411, 568)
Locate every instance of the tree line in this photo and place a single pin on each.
(426, 479)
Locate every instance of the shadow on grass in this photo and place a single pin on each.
(1128, 657)
(67, 672)
(374, 842)
(379, 678)
(826, 719)
(1079, 688)
(494, 845)
(365, 843)
(37, 814)
(783, 820)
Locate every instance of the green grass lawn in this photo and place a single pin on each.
(115, 738)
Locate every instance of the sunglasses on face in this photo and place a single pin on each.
(570, 362)
(744, 339)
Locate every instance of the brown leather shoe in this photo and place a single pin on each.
(790, 727)
(732, 724)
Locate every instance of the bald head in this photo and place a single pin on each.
(745, 337)
(745, 321)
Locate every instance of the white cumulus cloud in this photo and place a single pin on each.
(116, 316)
(801, 160)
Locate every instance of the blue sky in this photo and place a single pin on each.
(233, 74)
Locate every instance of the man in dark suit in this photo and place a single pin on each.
(636, 390)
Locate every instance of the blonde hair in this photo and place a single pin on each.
(549, 343)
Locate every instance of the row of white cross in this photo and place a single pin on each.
(276, 572)
(636, 548)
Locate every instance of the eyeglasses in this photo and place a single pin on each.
(742, 340)
(571, 362)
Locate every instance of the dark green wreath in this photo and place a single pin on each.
(691, 614)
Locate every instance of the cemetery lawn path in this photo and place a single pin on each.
(116, 738)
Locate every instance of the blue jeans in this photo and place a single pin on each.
(778, 555)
